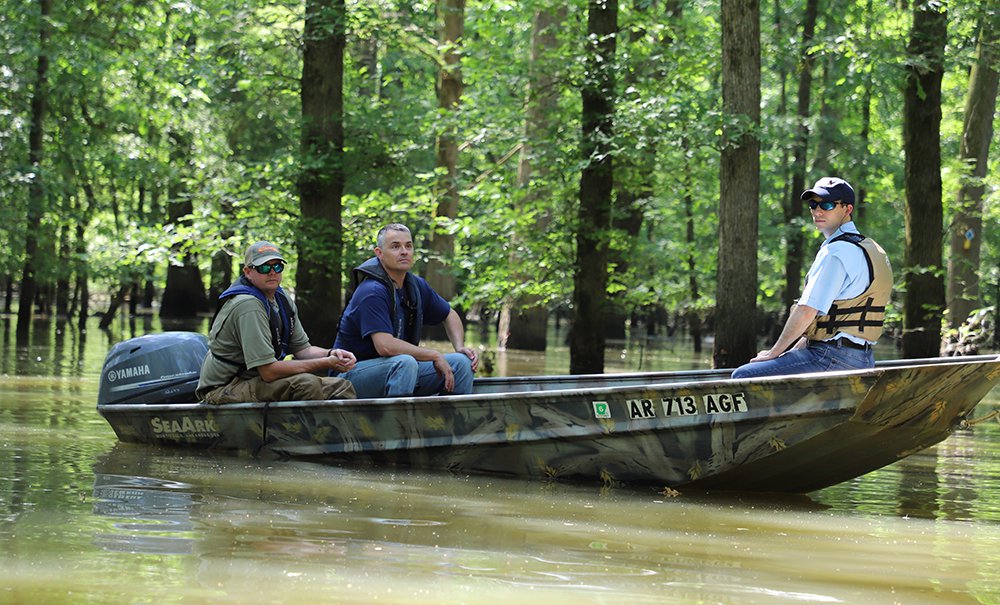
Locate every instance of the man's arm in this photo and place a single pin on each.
(456, 335)
(308, 360)
(798, 320)
(388, 345)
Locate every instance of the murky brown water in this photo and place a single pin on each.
(84, 519)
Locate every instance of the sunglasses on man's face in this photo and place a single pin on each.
(265, 269)
(824, 205)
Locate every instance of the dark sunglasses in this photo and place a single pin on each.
(265, 269)
(824, 205)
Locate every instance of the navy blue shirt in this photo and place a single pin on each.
(369, 312)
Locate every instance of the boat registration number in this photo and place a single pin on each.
(682, 405)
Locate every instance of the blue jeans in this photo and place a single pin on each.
(404, 376)
(818, 356)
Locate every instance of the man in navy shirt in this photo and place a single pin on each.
(383, 322)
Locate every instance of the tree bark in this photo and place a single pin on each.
(451, 28)
(692, 314)
(977, 132)
(523, 322)
(596, 185)
(184, 292)
(924, 298)
(321, 185)
(793, 206)
(736, 288)
(36, 189)
(861, 178)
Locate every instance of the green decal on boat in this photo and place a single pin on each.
(601, 409)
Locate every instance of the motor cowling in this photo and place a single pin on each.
(156, 368)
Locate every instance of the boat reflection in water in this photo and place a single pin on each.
(153, 515)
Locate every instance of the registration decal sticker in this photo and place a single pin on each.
(602, 409)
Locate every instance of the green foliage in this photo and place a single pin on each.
(201, 102)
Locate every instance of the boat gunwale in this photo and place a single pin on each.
(825, 376)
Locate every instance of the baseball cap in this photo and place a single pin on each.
(261, 252)
(831, 189)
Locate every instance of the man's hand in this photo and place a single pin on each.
(471, 354)
(444, 370)
(765, 355)
(341, 360)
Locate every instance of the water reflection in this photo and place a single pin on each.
(83, 515)
(350, 534)
(151, 511)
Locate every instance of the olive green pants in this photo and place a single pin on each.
(300, 387)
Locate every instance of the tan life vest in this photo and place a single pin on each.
(863, 315)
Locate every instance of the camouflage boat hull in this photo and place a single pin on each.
(698, 429)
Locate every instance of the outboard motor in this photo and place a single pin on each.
(156, 368)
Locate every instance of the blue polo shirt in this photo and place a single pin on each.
(370, 311)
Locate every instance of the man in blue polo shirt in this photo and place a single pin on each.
(383, 322)
(839, 316)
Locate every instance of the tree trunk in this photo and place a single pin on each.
(793, 206)
(596, 185)
(64, 273)
(113, 305)
(36, 189)
(736, 288)
(977, 132)
(923, 301)
(82, 288)
(440, 274)
(523, 320)
(221, 275)
(634, 172)
(693, 315)
(321, 185)
(221, 272)
(184, 292)
(861, 178)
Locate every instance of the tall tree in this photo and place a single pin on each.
(635, 171)
(184, 293)
(523, 319)
(977, 132)
(321, 182)
(590, 286)
(736, 289)
(923, 301)
(36, 190)
(451, 27)
(792, 206)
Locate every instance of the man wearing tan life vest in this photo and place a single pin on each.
(839, 316)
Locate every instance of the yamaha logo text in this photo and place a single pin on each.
(129, 372)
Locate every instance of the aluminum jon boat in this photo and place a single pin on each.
(698, 429)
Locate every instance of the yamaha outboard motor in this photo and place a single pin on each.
(157, 368)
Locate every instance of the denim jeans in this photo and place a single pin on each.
(404, 376)
(818, 356)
